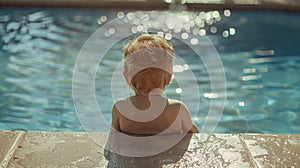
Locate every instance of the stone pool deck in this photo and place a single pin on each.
(73, 149)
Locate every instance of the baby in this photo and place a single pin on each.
(148, 71)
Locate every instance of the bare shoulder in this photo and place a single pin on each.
(119, 104)
(121, 100)
(176, 104)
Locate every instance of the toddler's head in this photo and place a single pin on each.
(148, 63)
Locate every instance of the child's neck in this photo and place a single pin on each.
(154, 92)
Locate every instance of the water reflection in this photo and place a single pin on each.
(260, 56)
(227, 12)
(169, 156)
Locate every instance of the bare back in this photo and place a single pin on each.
(173, 118)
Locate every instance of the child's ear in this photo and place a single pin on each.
(169, 81)
(126, 79)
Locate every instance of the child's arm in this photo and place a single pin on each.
(194, 129)
(187, 123)
(115, 119)
(115, 127)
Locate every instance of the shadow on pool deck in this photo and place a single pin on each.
(73, 149)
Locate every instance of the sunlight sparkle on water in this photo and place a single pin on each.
(225, 34)
(242, 104)
(213, 29)
(178, 68)
(194, 41)
(194, 23)
(202, 32)
(211, 95)
(178, 90)
(227, 12)
(120, 14)
(139, 28)
(232, 31)
(160, 34)
(184, 36)
(249, 70)
(186, 67)
(103, 18)
(111, 31)
(133, 29)
(168, 36)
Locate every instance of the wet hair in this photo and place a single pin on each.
(150, 78)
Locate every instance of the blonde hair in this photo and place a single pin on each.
(150, 78)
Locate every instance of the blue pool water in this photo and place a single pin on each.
(260, 53)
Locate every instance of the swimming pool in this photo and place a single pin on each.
(259, 51)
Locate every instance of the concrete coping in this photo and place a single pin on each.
(77, 149)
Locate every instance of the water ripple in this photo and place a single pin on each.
(39, 48)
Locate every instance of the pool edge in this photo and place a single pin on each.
(67, 149)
